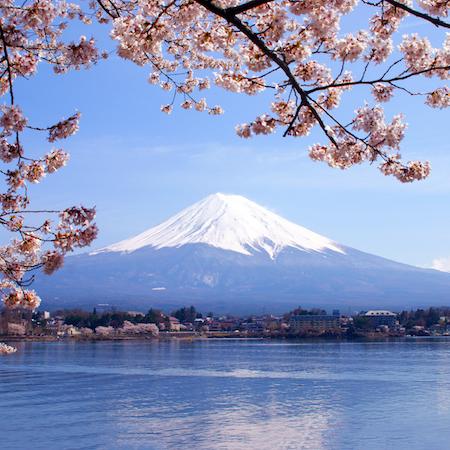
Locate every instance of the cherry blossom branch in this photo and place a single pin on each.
(8, 63)
(107, 11)
(434, 20)
(232, 19)
(244, 7)
(27, 35)
(377, 80)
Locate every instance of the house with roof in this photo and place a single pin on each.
(378, 318)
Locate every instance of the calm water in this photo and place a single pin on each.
(226, 395)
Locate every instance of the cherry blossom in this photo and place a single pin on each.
(55, 160)
(435, 7)
(30, 300)
(34, 172)
(418, 52)
(82, 53)
(13, 299)
(382, 93)
(12, 119)
(8, 151)
(166, 109)
(440, 98)
(52, 261)
(138, 328)
(65, 128)
(7, 349)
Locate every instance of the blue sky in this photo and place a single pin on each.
(139, 166)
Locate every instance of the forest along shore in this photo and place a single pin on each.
(188, 324)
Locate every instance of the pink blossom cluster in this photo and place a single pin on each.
(52, 261)
(84, 53)
(439, 98)
(75, 229)
(39, 15)
(55, 160)
(351, 47)
(435, 7)
(29, 244)
(384, 24)
(12, 120)
(418, 52)
(240, 83)
(9, 151)
(34, 172)
(382, 93)
(381, 140)
(414, 170)
(11, 202)
(65, 128)
(27, 299)
(7, 349)
(105, 331)
(139, 328)
(78, 216)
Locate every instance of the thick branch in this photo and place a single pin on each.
(232, 19)
(434, 20)
(107, 11)
(379, 80)
(246, 6)
(8, 64)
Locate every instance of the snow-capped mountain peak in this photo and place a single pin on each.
(229, 222)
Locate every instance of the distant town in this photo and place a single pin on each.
(104, 322)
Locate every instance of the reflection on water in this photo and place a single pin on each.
(226, 395)
(230, 422)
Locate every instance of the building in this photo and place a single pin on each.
(69, 331)
(174, 324)
(319, 322)
(103, 308)
(378, 318)
(253, 327)
(135, 314)
(16, 329)
(44, 315)
(16, 321)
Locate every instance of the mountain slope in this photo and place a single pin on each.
(229, 222)
(229, 254)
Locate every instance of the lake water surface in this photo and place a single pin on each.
(226, 394)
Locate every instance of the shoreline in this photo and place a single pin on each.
(202, 337)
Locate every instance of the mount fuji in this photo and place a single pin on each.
(228, 254)
(229, 222)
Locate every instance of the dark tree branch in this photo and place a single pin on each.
(114, 15)
(379, 80)
(8, 64)
(246, 6)
(434, 20)
(233, 20)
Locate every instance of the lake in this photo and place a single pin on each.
(226, 394)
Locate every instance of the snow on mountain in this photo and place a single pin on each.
(229, 222)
